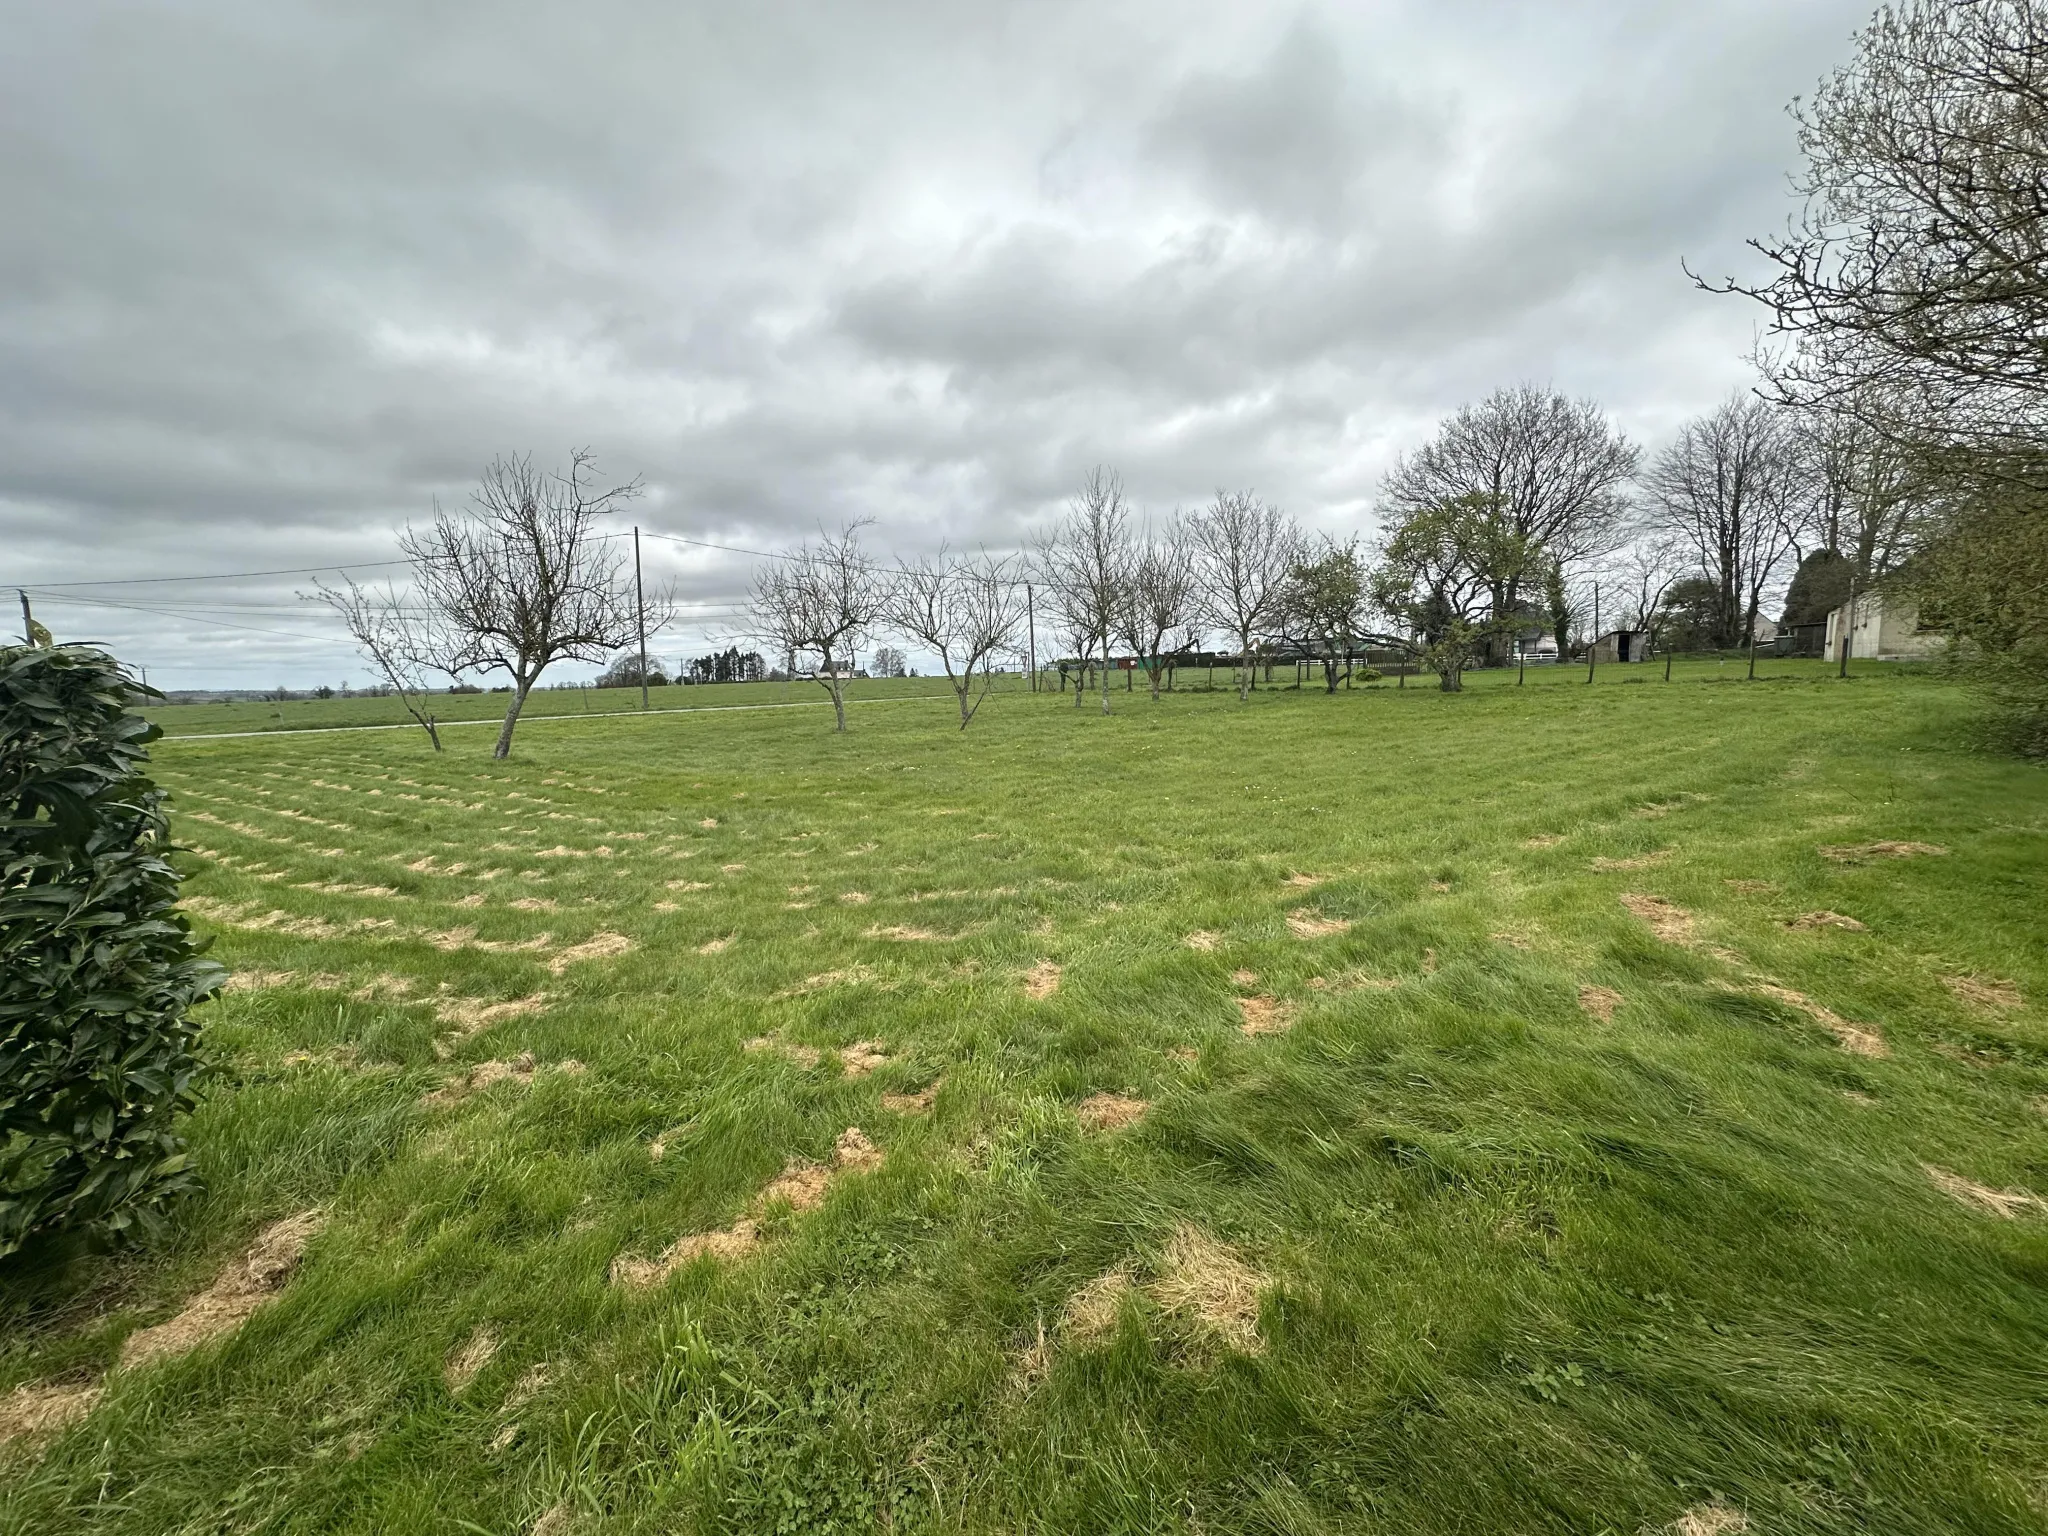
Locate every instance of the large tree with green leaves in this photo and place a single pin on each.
(1549, 472)
(1439, 569)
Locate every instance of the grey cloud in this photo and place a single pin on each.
(275, 276)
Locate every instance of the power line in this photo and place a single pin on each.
(301, 570)
(107, 602)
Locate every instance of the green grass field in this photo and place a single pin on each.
(1388, 1113)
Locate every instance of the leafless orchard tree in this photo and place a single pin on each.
(399, 644)
(1244, 552)
(1553, 472)
(1086, 562)
(1728, 488)
(524, 577)
(1162, 606)
(820, 600)
(963, 610)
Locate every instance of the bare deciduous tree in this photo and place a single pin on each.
(1728, 488)
(820, 600)
(1086, 562)
(964, 611)
(1918, 270)
(1862, 499)
(1642, 576)
(398, 644)
(1551, 471)
(1243, 551)
(1161, 611)
(524, 577)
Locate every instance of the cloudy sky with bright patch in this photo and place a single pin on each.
(274, 276)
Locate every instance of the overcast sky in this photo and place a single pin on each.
(273, 276)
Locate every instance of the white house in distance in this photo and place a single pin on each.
(1882, 628)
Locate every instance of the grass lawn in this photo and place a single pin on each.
(1386, 1113)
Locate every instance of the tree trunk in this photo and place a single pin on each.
(1452, 680)
(1249, 679)
(838, 704)
(1105, 674)
(432, 735)
(519, 688)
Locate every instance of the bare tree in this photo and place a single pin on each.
(524, 577)
(1549, 470)
(1243, 551)
(398, 644)
(1161, 611)
(821, 600)
(1862, 498)
(1643, 575)
(963, 610)
(1729, 488)
(1086, 562)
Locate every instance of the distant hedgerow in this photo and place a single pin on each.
(97, 968)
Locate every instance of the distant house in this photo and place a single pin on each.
(1882, 628)
(1622, 645)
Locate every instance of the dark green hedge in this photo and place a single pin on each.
(97, 968)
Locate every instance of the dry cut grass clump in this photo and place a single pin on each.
(599, 946)
(1813, 921)
(37, 1410)
(1600, 1002)
(1265, 1015)
(1109, 1111)
(488, 1074)
(1851, 1037)
(801, 1185)
(1672, 924)
(1198, 1278)
(1710, 1520)
(911, 1103)
(1635, 861)
(1998, 996)
(2003, 1203)
(468, 1362)
(244, 1285)
(1308, 923)
(1041, 981)
(1863, 853)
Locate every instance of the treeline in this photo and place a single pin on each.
(728, 666)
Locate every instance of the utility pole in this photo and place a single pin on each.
(1031, 621)
(640, 611)
(1593, 649)
(28, 620)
